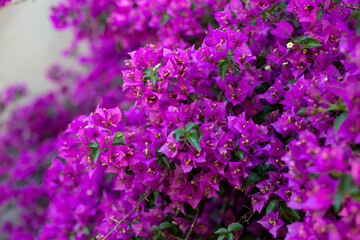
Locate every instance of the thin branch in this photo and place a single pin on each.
(195, 219)
(114, 219)
(349, 6)
(137, 205)
(180, 122)
(243, 218)
(247, 220)
(171, 236)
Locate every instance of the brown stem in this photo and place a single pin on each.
(137, 205)
(349, 6)
(171, 236)
(201, 205)
(244, 216)
(221, 95)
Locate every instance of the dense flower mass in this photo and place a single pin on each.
(227, 120)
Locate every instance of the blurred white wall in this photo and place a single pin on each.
(29, 44)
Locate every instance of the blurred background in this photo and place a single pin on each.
(29, 44)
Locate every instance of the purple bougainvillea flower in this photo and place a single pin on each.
(258, 202)
(191, 195)
(283, 30)
(170, 148)
(322, 194)
(350, 128)
(107, 117)
(272, 222)
(214, 110)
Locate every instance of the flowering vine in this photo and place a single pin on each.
(259, 112)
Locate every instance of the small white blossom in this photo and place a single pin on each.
(290, 45)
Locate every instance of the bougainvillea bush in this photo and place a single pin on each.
(196, 119)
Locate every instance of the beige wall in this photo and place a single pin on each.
(29, 44)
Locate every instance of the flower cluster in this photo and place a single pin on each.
(30, 133)
(254, 127)
(11, 94)
(4, 2)
(130, 24)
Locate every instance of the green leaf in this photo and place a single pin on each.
(260, 61)
(128, 171)
(358, 28)
(221, 237)
(153, 79)
(234, 227)
(177, 133)
(251, 179)
(154, 228)
(165, 225)
(165, 18)
(86, 231)
(299, 40)
(356, 196)
(346, 181)
(286, 88)
(148, 72)
(263, 169)
(194, 140)
(193, 6)
(292, 81)
(119, 135)
(311, 43)
(301, 112)
(319, 14)
(152, 75)
(95, 153)
(165, 161)
(230, 54)
(63, 161)
(230, 236)
(223, 67)
(117, 141)
(221, 231)
(102, 21)
(353, 190)
(192, 131)
(236, 142)
(190, 126)
(248, 65)
(239, 153)
(339, 120)
(193, 96)
(156, 235)
(271, 206)
(332, 107)
(93, 145)
(355, 15)
(288, 214)
(152, 199)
